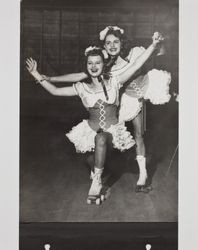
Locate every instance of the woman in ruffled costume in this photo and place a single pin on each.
(101, 98)
(153, 86)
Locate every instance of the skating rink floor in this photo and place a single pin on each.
(54, 179)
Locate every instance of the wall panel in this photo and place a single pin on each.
(57, 35)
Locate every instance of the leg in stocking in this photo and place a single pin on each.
(140, 149)
(101, 144)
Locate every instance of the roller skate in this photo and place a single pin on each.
(142, 186)
(142, 181)
(104, 193)
(95, 195)
(101, 197)
(91, 175)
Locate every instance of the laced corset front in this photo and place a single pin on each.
(102, 115)
(137, 85)
(102, 112)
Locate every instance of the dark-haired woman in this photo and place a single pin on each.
(153, 86)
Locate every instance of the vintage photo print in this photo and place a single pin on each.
(98, 122)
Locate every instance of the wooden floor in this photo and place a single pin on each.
(54, 180)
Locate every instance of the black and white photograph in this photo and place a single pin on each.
(98, 124)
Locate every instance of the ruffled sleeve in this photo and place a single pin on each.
(82, 93)
(78, 88)
(116, 82)
(135, 53)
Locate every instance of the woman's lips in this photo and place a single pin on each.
(94, 70)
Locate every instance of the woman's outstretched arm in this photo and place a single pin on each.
(129, 72)
(73, 77)
(32, 68)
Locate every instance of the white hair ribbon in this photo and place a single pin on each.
(104, 31)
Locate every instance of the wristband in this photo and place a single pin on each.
(38, 77)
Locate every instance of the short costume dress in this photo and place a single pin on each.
(153, 86)
(103, 115)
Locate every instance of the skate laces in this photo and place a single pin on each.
(97, 178)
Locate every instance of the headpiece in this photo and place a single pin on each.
(90, 48)
(103, 33)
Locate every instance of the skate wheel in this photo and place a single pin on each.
(88, 202)
(98, 201)
(102, 197)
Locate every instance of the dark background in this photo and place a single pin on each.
(56, 33)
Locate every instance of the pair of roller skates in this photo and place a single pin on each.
(98, 193)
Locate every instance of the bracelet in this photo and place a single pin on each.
(37, 77)
(39, 81)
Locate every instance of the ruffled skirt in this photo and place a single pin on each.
(129, 108)
(158, 87)
(83, 137)
(156, 82)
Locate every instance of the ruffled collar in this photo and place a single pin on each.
(91, 90)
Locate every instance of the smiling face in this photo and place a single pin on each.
(112, 45)
(95, 65)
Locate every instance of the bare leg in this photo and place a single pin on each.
(101, 145)
(102, 141)
(137, 124)
(90, 161)
(140, 149)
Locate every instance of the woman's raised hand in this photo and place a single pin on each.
(157, 38)
(31, 65)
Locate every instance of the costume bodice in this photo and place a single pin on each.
(102, 112)
(135, 86)
(90, 97)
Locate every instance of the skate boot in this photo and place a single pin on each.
(94, 195)
(91, 175)
(141, 183)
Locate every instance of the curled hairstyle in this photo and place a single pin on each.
(125, 46)
(96, 52)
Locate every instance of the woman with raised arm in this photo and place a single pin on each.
(101, 98)
(118, 57)
(153, 86)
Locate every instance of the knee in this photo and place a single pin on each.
(101, 140)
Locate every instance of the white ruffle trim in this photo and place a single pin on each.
(122, 139)
(158, 87)
(129, 108)
(135, 53)
(83, 137)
